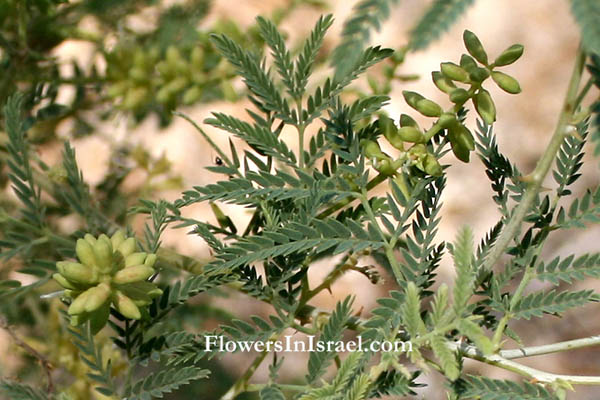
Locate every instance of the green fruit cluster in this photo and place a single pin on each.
(140, 77)
(109, 271)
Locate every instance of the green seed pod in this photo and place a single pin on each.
(506, 82)
(474, 47)
(117, 238)
(150, 260)
(411, 134)
(97, 297)
(103, 253)
(126, 306)
(454, 72)
(135, 259)
(479, 74)
(442, 83)
(510, 55)
(133, 274)
(432, 166)
(459, 95)
(429, 108)
(407, 120)
(85, 252)
(412, 98)
(127, 247)
(62, 281)
(78, 273)
(485, 106)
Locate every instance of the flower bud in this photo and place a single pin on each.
(459, 95)
(386, 168)
(85, 252)
(407, 120)
(97, 296)
(62, 281)
(411, 134)
(446, 120)
(485, 106)
(479, 74)
(510, 55)
(412, 98)
(192, 95)
(78, 273)
(372, 149)
(103, 253)
(467, 63)
(150, 260)
(126, 306)
(462, 141)
(442, 83)
(133, 274)
(474, 47)
(506, 82)
(78, 305)
(454, 72)
(429, 108)
(90, 239)
(135, 259)
(432, 166)
(197, 57)
(127, 247)
(117, 238)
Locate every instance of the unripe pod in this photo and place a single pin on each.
(407, 120)
(442, 83)
(127, 247)
(85, 252)
(474, 47)
(126, 306)
(103, 253)
(78, 273)
(117, 238)
(432, 166)
(510, 55)
(133, 274)
(150, 260)
(459, 95)
(485, 106)
(454, 72)
(135, 259)
(506, 82)
(429, 108)
(97, 296)
(62, 281)
(411, 134)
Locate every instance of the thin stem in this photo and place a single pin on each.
(541, 169)
(241, 385)
(531, 373)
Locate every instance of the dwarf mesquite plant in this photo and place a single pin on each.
(315, 202)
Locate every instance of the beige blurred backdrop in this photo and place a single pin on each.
(525, 123)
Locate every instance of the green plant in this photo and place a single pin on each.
(316, 202)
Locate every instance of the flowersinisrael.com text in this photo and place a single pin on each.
(290, 344)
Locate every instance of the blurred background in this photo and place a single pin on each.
(166, 155)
